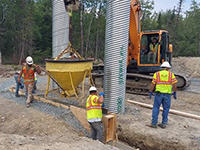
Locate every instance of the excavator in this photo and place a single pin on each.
(141, 61)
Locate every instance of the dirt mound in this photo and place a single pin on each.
(187, 65)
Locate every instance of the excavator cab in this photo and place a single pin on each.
(154, 49)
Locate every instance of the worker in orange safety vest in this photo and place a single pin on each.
(29, 70)
(94, 114)
(163, 80)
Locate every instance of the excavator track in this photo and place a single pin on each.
(137, 83)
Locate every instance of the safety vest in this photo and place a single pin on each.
(154, 48)
(29, 76)
(93, 108)
(35, 76)
(164, 80)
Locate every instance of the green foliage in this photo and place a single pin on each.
(27, 29)
(43, 30)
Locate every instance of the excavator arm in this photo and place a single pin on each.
(134, 30)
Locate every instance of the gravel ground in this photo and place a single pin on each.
(59, 113)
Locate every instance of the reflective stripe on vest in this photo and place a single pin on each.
(91, 106)
(164, 82)
(28, 76)
(155, 48)
(160, 82)
(93, 109)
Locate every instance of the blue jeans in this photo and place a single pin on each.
(165, 100)
(18, 84)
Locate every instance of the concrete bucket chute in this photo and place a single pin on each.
(69, 73)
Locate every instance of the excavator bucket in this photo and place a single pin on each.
(71, 5)
(68, 74)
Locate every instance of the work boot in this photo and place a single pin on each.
(162, 125)
(17, 95)
(28, 105)
(152, 125)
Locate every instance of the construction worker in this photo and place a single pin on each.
(29, 70)
(21, 83)
(94, 114)
(163, 80)
(153, 50)
(18, 84)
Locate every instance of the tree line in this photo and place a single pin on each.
(26, 28)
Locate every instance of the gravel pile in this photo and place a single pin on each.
(60, 113)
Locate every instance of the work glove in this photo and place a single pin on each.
(101, 94)
(174, 95)
(150, 94)
(102, 105)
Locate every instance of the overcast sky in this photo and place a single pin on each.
(169, 4)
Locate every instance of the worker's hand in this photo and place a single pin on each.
(18, 79)
(150, 94)
(101, 94)
(174, 95)
(102, 105)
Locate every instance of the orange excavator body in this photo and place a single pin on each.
(139, 41)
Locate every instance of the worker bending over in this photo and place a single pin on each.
(18, 84)
(164, 80)
(94, 114)
(29, 70)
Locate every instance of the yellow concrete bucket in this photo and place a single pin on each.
(68, 74)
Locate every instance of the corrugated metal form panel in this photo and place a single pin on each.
(60, 27)
(117, 29)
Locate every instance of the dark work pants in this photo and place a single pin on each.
(96, 131)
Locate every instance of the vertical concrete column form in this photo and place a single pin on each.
(60, 31)
(116, 47)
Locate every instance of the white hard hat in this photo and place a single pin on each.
(29, 60)
(92, 88)
(165, 65)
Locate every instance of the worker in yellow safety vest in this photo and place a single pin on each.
(163, 80)
(29, 70)
(94, 114)
(153, 51)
